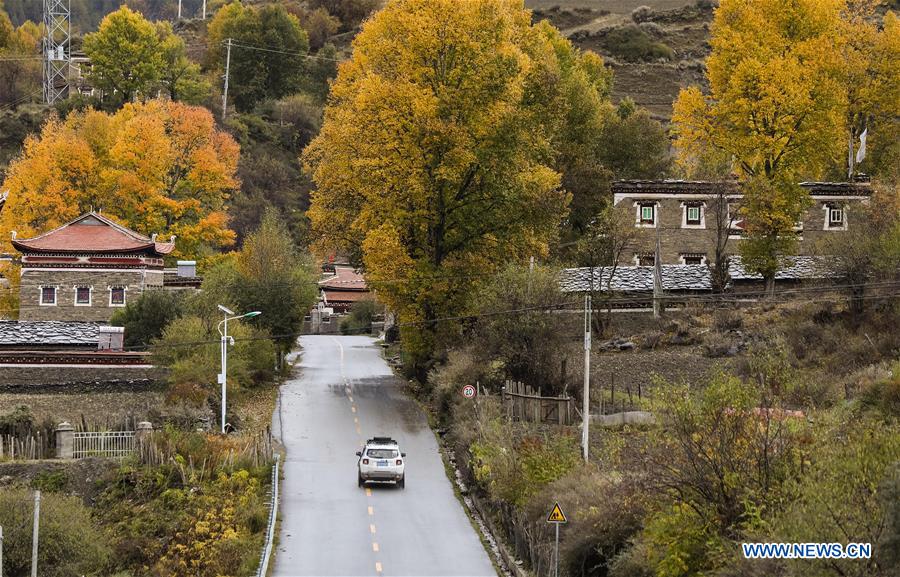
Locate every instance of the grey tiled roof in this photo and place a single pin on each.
(683, 277)
(13, 333)
(793, 268)
(675, 277)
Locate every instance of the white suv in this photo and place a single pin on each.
(381, 460)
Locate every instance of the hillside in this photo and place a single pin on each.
(654, 52)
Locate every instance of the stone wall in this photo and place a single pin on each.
(65, 308)
(73, 377)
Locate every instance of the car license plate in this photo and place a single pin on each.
(382, 463)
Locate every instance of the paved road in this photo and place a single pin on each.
(343, 394)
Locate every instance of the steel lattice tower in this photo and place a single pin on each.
(56, 50)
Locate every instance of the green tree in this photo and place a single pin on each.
(350, 13)
(533, 346)
(180, 77)
(275, 279)
(436, 160)
(255, 75)
(146, 318)
(125, 55)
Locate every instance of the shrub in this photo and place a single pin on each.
(515, 470)
(70, 544)
(884, 394)
(634, 45)
(360, 319)
(642, 14)
(727, 320)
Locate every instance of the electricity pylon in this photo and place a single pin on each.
(56, 53)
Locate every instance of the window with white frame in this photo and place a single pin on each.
(835, 217)
(117, 296)
(693, 215)
(82, 296)
(646, 214)
(693, 258)
(48, 296)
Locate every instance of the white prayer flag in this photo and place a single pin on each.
(861, 153)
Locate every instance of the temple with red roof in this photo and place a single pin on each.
(86, 269)
(345, 287)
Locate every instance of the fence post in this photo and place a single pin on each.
(65, 440)
(143, 431)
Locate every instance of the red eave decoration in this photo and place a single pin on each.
(92, 233)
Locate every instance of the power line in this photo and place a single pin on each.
(285, 52)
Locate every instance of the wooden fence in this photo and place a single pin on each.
(25, 447)
(522, 403)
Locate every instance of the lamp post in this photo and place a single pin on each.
(223, 331)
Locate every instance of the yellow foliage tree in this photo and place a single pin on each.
(436, 159)
(790, 84)
(158, 167)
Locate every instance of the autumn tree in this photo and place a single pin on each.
(790, 85)
(126, 59)
(435, 163)
(158, 167)
(774, 105)
(268, 61)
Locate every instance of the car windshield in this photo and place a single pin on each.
(382, 453)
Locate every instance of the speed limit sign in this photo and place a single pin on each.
(469, 392)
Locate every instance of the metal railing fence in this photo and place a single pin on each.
(273, 517)
(110, 444)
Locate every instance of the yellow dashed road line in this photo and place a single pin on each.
(368, 492)
(371, 510)
(377, 567)
(353, 409)
(375, 547)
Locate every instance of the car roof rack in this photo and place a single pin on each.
(381, 441)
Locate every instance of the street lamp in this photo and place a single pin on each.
(223, 331)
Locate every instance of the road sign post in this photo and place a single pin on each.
(557, 517)
(469, 392)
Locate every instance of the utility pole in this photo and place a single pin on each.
(204, 9)
(34, 536)
(1, 550)
(223, 376)
(227, 70)
(179, 9)
(586, 397)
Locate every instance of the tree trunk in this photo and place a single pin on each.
(770, 285)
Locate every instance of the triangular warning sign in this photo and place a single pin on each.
(557, 516)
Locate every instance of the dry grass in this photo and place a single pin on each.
(254, 407)
(97, 408)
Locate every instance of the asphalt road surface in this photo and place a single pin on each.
(344, 393)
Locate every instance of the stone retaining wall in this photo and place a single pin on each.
(73, 377)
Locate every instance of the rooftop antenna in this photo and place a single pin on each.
(57, 32)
